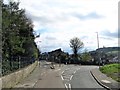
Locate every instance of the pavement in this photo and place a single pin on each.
(0, 83)
(105, 81)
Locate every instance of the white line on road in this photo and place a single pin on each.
(105, 81)
(62, 77)
(74, 72)
(35, 83)
(71, 77)
(62, 72)
(70, 86)
(66, 86)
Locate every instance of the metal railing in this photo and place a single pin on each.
(15, 63)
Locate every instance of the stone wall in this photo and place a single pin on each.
(12, 79)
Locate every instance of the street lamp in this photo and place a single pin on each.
(37, 36)
(37, 42)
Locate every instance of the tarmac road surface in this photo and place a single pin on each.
(77, 76)
(65, 76)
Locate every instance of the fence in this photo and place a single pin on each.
(15, 63)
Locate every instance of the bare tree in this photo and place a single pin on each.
(76, 44)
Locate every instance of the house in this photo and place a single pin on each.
(57, 56)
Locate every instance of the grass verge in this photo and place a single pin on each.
(112, 70)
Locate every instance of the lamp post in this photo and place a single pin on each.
(37, 36)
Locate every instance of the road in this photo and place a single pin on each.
(66, 76)
(71, 76)
(49, 78)
(75, 76)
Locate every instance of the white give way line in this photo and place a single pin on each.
(68, 85)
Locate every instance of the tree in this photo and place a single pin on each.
(76, 44)
(17, 35)
(86, 56)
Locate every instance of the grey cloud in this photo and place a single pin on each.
(107, 38)
(41, 19)
(111, 34)
(45, 20)
(92, 15)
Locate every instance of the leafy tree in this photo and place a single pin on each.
(12, 40)
(17, 34)
(86, 56)
(76, 44)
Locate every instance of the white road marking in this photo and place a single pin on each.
(105, 81)
(35, 83)
(66, 77)
(62, 77)
(62, 72)
(70, 86)
(74, 72)
(66, 86)
(71, 77)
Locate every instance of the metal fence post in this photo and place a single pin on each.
(19, 61)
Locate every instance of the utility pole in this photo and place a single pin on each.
(98, 48)
(97, 40)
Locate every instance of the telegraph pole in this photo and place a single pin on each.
(98, 48)
(97, 40)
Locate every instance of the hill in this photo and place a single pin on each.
(108, 50)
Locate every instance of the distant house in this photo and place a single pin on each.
(114, 60)
(44, 56)
(57, 56)
(54, 55)
(106, 55)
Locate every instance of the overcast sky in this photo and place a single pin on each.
(58, 21)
